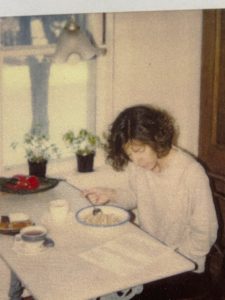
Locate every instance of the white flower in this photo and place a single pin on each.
(38, 147)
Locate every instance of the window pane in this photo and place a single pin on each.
(69, 104)
(36, 91)
(16, 110)
(69, 100)
(31, 30)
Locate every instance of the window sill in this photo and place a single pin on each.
(103, 175)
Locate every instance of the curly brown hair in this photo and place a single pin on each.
(149, 125)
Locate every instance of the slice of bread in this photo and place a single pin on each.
(18, 217)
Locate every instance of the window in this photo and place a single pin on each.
(37, 92)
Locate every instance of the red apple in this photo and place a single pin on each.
(33, 182)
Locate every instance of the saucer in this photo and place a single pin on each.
(23, 248)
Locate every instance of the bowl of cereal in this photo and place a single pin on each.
(108, 216)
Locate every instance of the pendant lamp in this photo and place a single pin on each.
(74, 41)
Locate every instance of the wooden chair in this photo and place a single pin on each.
(215, 263)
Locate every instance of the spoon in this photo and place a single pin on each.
(96, 210)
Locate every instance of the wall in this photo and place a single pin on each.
(156, 59)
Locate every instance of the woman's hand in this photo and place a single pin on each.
(99, 195)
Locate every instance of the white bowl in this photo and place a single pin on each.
(108, 217)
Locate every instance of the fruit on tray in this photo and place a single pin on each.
(23, 182)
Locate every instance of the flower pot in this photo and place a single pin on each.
(37, 168)
(85, 162)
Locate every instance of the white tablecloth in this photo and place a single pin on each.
(86, 262)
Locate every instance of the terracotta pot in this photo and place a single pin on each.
(85, 163)
(38, 168)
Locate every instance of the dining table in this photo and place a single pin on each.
(86, 262)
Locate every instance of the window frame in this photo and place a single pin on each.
(104, 89)
(16, 51)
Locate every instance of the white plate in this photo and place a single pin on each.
(17, 221)
(109, 217)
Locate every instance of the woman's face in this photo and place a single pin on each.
(141, 155)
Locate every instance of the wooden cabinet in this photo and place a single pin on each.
(212, 117)
(212, 112)
(212, 123)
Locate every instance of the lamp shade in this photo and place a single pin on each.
(73, 41)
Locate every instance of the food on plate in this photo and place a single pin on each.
(23, 182)
(5, 219)
(101, 219)
(21, 224)
(18, 217)
(108, 215)
(4, 222)
(14, 221)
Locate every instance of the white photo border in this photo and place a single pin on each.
(51, 7)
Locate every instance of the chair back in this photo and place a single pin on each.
(215, 264)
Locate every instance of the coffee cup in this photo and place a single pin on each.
(33, 236)
(59, 209)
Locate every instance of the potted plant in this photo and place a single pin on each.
(84, 145)
(38, 151)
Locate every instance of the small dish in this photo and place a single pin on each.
(13, 223)
(21, 247)
(109, 216)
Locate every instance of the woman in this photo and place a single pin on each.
(169, 188)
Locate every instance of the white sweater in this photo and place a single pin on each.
(175, 206)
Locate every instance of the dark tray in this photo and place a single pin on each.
(45, 184)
